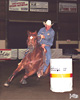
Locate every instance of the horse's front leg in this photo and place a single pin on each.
(18, 69)
(23, 80)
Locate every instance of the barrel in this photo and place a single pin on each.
(61, 77)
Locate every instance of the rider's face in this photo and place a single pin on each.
(47, 27)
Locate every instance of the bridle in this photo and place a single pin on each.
(30, 42)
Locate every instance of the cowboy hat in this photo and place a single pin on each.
(48, 22)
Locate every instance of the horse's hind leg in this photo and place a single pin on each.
(23, 80)
(18, 69)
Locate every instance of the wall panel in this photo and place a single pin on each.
(67, 25)
(36, 16)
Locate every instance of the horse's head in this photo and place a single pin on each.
(32, 39)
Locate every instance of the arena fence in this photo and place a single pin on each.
(14, 54)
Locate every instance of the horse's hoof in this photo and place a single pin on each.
(6, 84)
(23, 82)
(39, 76)
(19, 63)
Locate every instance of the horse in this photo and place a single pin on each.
(33, 61)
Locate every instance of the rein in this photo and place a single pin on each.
(39, 36)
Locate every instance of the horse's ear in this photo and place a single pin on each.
(35, 32)
(28, 32)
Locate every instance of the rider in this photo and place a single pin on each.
(46, 41)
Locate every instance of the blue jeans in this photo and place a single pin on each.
(48, 57)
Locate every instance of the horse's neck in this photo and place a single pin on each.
(37, 48)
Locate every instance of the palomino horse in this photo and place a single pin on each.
(33, 62)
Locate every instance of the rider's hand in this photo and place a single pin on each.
(42, 36)
(43, 45)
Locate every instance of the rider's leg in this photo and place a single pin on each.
(48, 57)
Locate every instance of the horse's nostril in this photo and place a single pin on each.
(30, 46)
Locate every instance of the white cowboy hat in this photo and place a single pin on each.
(48, 22)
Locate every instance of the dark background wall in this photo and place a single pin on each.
(68, 26)
(2, 19)
(14, 24)
(17, 33)
(79, 20)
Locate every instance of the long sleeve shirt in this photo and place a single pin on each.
(49, 36)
